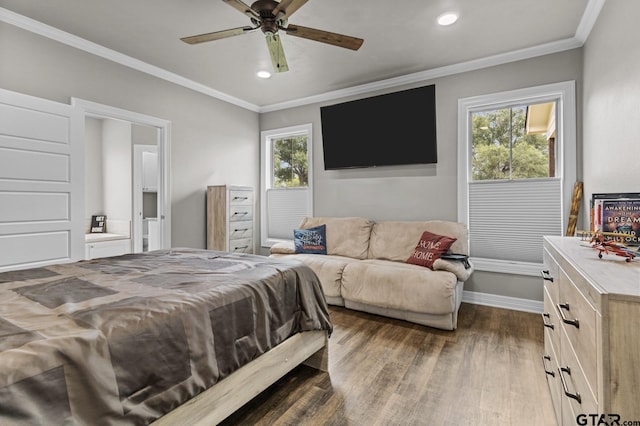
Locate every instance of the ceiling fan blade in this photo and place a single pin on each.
(217, 35)
(335, 39)
(286, 8)
(243, 8)
(277, 53)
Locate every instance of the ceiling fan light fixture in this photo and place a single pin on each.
(447, 18)
(263, 74)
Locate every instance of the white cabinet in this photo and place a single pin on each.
(591, 319)
(150, 237)
(107, 248)
(230, 218)
(149, 171)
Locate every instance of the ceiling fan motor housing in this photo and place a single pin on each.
(269, 22)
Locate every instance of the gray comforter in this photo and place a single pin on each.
(124, 340)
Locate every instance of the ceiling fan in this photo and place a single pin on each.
(271, 16)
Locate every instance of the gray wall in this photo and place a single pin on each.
(213, 142)
(429, 191)
(611, 102)
(93, 176)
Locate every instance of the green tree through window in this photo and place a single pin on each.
(290, 164)
(502, 149)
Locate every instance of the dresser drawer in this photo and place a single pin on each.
(240, 229)
(244, 245)
(240, 213)
(550, 365)
(551, 321)
(574, 381)
(240, 197)
(579, 319)
(550, 274)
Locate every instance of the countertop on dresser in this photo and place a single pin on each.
(611, 276)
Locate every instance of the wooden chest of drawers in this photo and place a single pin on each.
(592, 332)
(230, 218)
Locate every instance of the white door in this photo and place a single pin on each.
(145, 190)
(41, 182)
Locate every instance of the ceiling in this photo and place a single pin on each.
(402, 41)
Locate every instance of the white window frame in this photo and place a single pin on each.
(267, 179)
(564, 94)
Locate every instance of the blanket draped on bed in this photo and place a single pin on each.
(124, 340)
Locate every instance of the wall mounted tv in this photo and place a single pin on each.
(392, 129)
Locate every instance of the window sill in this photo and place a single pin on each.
(507, 266)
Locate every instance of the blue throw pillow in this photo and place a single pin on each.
(312, 240)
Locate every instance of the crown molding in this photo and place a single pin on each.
(489, 61)
(587, 22)
(64, 37)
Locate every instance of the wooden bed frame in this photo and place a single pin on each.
(218, 402)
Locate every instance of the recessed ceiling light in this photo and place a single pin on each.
(447, 18)
(263, 74)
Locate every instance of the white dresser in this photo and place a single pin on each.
(230, 218)
(592, 332)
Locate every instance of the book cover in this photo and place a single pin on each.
(622, 216)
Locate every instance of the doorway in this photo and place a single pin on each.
(156, 137)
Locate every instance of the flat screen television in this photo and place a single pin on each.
(391, 129)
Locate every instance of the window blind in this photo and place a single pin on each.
(286, 207)
(507, 219)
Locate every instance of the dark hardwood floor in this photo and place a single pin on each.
(390, 372)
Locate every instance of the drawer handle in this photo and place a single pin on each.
(240, 213)
(241, 248)
(576, 395)
(243, 230)
(561, 308)
(240, 198)
(546, 276)
(544, 321)
(544, 365)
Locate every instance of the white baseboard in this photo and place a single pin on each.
(506, 302)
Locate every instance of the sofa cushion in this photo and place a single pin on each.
(328, 268)
(312, 240)
(396, 240)
(283, 247)
(455, 267)
(346, 236)
(399, 286)
(429, 249)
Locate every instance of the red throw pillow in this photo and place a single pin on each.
(429, 249)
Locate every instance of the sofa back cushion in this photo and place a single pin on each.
(396, 240)
(346, 236)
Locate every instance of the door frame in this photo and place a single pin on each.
(100, 111)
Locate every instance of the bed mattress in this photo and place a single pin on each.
(124, 340)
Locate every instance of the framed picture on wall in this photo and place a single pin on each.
(98, 224)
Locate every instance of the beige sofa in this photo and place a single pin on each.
(364, 268)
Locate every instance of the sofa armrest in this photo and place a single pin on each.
(284, 247)
(455, 267)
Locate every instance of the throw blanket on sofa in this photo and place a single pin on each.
(124, 340)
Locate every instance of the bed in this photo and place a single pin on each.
(181, 336)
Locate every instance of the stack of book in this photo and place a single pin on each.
(619, 213)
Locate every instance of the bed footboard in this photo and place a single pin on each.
(218, 402)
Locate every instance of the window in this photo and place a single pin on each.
(287, 195)
(506, 145)
(515, 174)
